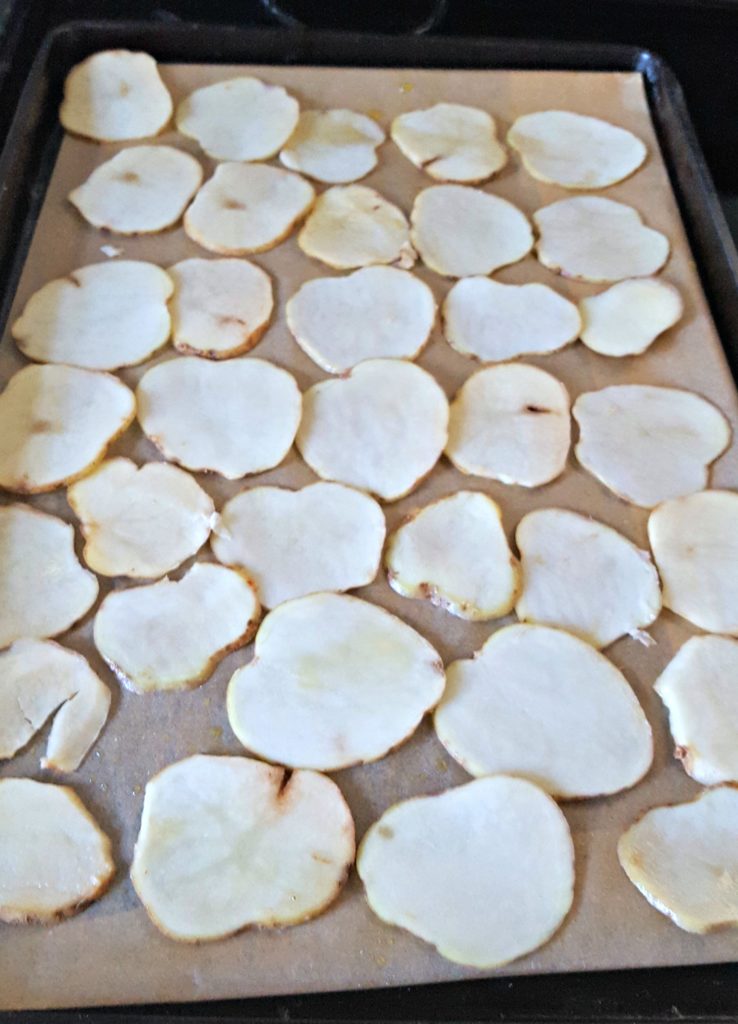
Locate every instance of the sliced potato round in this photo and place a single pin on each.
(335, 681)
(227, 842)
(335, 146)
(450, 142)
(627, 318)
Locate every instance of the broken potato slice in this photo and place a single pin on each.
(334, 146)
(450, 142)
(629, 316)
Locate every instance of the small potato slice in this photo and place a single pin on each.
(373, 313)
(170, 635)
(139, 191)
(38, 680)
(56, 422)
(627, 318)
(232, 418)
(227, 843)
(510, 423)
(540, 704)
(454, 553)
(335, 681)
(54, 858)
(648, 444)
(584, 577)
(335, 146)
(484, 872)
(450, 142)
(142, 521)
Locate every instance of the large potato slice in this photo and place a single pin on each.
(628, 317)
(450, 142)
(335, 146)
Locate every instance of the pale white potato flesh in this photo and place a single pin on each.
(584, 577)
(38, 680)
(629, 316)
(54, 857)
(56, 423)
(335, 681)
(227, 842)
(334, 146)
(510, 423)
(484, 872)
(291, 543)
(233, 418)
(139, 191)
(381, 428)
(140, 521)
(170, 635)
(454, 553)
(450, 142)
(540, 704)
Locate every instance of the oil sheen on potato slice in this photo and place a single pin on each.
(334, 146)
(627, 318)
(450, 142)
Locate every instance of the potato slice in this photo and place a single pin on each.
(56, 422)
(54, 858)
(373, 313)
(292, 543)
(510, 423)
(38, 680)
(139, 191)
(454, 553)
(450, 142)
(584, 577)
(142, 521)
(381, 428)
(232, 418)
(460, 231)
(335, 681)
(226, 843)
(648, 444)
(170, 635)
(627, 318)
(540, 704)
(335, 146)
(484, 872)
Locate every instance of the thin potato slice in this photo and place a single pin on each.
(335, 146)
(450, 142)
(627, 318)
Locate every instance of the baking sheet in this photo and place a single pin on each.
(112, 953)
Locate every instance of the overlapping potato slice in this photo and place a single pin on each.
(139, 191)
(232, 418)
(381, 428)
(584, 577)
(170, 635)
(335, 146)
(454, 553)
(484, 872)
(450, 142)
(291, 543)
(373, 313)
(335, 681)
(54, 858)
(226, 843)
(38, 679)
(627, 318)
(510, 423)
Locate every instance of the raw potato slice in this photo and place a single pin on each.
(232, 418)
(239, 119)
(227, 842)
(373, 313)
(684, 859)
(450, 142)
(454, 553)
(220, 308)
(648, 444)
(292, 543)
(575, 151)
(584, 577)
(460, 231)
(100, 317)
(484, 872)
(54, 858)
(40, 679)
(494, 322)
(543, 705)
(510, 423)
(381, 428)
(142, 521)
(114, 96)
(247, 208)
(139, 191)
(334, 682)
(335, 146)
(695, 546)
(627, 318)
(170, 635)
(596, 239)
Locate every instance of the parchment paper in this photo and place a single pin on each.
(111, 953)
